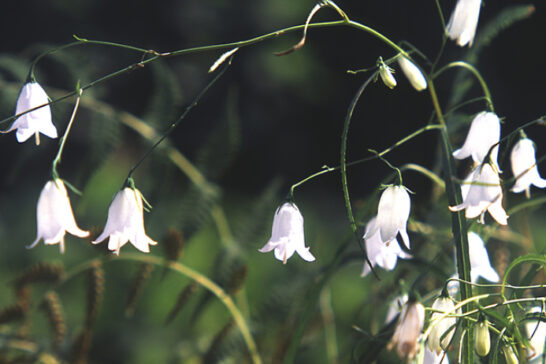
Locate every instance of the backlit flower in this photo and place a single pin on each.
(464, 21)
(126, 222)
(287, 234)
(36, 121)
(407, 330)
(524, 167)
(442, 327)
(382, 254)
(413, 74)
(392, 215)
(481, 192)
(483, 134)
(54, 215)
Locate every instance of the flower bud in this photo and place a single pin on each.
(386, 74)
(482, 344)
(509, 355)
(413, 73)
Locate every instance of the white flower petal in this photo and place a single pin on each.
(126, 222)
(464, 21)
(54, 216)
(524, 167)
(479, 259)
(36, 121)
(287, 235)
(484, 132)
(413, 74)
(393, 212)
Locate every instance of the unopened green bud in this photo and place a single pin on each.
(482, 344)
(386, 74)
(509, 355)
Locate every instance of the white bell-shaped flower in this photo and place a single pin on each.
(481, 192)
(392, 215)
(483, 134)
(407, 331)
(287, 234)
(382, 254)
(464, 21)
(55, 216)
(36, 121)
(441, 326)
(524, 167)
(395, 307)
(480, 266)
(126, 222)
(413, 74)
(536, 331)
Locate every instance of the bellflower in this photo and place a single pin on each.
(386, 75)
(483, 134)
(524, 167)
(441, 326)
(54, 215)
(36, 121)
(407, 330)
(287, 234)
(126, 222)
(379, 253)
(464, 21)
(536, 330)
(395, 307)
(413, 73)
(482, 192)
(392, 215)
(480, 266)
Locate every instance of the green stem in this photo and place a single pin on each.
(343, 166)
(458, 222)
(326, 169)
(57, 159)
(476, 73)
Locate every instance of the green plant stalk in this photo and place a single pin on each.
(343, 165)
(458, 225)
(476, 73)
(57, 159)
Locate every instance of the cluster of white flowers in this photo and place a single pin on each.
(54, 213)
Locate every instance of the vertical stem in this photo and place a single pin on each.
(458, 225)
(343, 166)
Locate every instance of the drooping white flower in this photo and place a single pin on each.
(407, 331)
(480, 266)
(413, 74)
(481, 192)
(126, 222)
(34, 122)
(392, 215)
(464, 21)
(382, 254)
(431, 357)
(536, 330)
(54, 216)
(287, 234)
(524, 167)
(482, 343)
(483, 134)
(441, 326)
